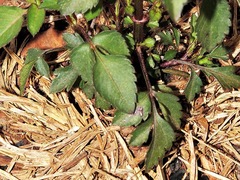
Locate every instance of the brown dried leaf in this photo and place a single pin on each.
(48, 39)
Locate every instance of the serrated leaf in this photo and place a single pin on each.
(68, 7)
(163, 137)
(171, 108)
(66, 77)
(174, 8)
(33, 55)
(50, 4)
(141, 112)
(42, 67)
(166, 38)
(11, 19)
(219, 52)
(193, 86)
(35, 19)
(112, 42)
(94, 12)
(213, 23)
(72, 40)
(225, 75)
(141, 133)
(114, 80)
(83, 60)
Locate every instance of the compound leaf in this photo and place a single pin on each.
(170, 107)
(68, 7)
(213, 23)
(193, 86)
(114, 80)
(11, 19)
(66, 77)
(175, 8)
(225, 75)
(163, 136)
(111, 42)
(141, 133)
(35, 19)
(141, 112)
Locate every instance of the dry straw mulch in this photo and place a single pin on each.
(63, 136)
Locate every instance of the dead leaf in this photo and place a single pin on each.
(48, 39)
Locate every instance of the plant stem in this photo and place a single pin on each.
(145, 73)
(72, 20)
(138, 20)
(138, 5)
(175, 62)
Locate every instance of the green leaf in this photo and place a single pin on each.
(174, 8)
(68, 7)
(66, 77)
(213, 23)
(33, 56)
(163, 136)
(11, 19)
(112, 42)
(94, 12)
(193, 86)
(42, 67)
(170, 54)
(24, 74)
(35, 19)
(87, 88)
(171, 108)
(176, 34)
(141, 112)
(166, 38)
(126, 119)
(219, 52)
(225, 75)
(72, 40)
(141, 133)
(100, 102)
(83, 60)
(50, 4)
(114, 80)
(148, 42)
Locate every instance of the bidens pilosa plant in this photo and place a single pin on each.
(102, 66)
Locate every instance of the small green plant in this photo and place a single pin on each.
(103, 66)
